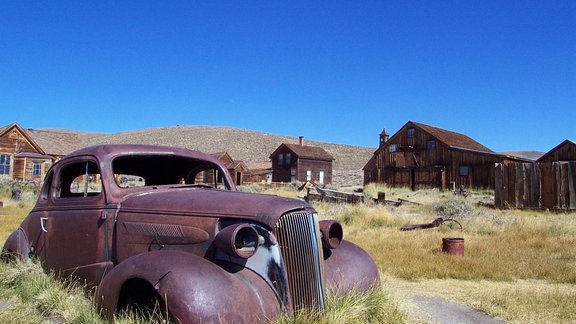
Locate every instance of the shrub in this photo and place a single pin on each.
(454, 208)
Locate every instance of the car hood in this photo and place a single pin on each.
(266, 209)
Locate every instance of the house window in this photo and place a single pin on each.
(464, 170)
(392, 148)
(411, 132)
(36, 169)
(293, 174)
(308, 175)
(431, 145)
(321, 177)
(288, 158)
(280, 159)
(4, 164)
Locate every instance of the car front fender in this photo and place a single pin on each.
(348, 267)
(194, 289)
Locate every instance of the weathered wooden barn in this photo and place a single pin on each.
(291, 162)
(26, 154)
(548, 183)
(421, 156)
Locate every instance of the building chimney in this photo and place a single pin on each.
(301, 140)
(384, 136)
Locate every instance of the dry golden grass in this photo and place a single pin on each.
(11, 215)
(519, 266)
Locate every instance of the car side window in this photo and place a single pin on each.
(81, 179)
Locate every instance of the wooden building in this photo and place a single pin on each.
(548, 183)
(26, 154)
(565, 151)
(236, 168)
(421, 156)
(299, 162)
(259, 172)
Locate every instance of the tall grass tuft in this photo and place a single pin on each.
(373, 306)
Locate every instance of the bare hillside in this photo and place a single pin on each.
(246, 145)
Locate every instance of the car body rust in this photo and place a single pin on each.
(141, 225)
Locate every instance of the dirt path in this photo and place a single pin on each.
(426, 302)
(440, 310)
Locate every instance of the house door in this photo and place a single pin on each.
(321, 177)
(239, 178)
(413, 179)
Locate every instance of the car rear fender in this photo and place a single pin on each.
(16, 246)
(194, 289)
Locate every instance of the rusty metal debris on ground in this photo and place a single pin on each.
(435, 223)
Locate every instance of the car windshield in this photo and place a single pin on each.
(155, 170)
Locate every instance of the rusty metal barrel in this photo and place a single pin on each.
(453, 245)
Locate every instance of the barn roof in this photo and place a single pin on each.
(452, 139)
(307, 152)
(55, 142)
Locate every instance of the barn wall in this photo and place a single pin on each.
(536, 185)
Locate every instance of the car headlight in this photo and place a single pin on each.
(331, 232)
(238, 240)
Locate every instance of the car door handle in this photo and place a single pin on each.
(43, 221)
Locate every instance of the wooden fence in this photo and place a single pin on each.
(536, 185)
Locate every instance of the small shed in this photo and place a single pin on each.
(565, 151)
(548, 183)
(236, 168)
(259, 172)
(299, 162)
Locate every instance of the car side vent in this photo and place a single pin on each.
(299, 239)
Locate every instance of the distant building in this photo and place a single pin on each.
(236, 168)
(291, 162)
(259, 172)
(26, 154)
(422, 156)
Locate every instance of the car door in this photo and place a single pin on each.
(75, 225)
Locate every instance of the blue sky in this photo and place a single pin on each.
(502, 72)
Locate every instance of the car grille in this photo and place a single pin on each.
(299, 239)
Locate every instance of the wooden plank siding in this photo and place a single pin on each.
(565, 151)
(421, 156)
(536, 185)
(23, 153)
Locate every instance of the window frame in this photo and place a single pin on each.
(5, 162)
(431, 145)
(393, 148)
(411, 132)
(36, 169)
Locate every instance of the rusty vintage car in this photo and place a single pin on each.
(141, 224)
